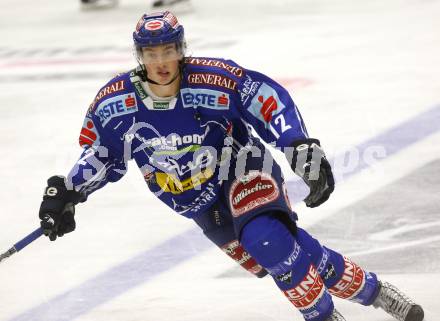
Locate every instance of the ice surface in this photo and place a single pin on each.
(356, 69)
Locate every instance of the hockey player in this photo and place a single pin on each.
(169, 3)
(98, 4)
(186, 123)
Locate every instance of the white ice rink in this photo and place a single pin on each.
(366, 77)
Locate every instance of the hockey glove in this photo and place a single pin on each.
(310, 163)
(57, 209)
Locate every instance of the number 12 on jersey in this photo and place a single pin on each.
(281, 124)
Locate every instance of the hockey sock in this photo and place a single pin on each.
(275, 248)
(342, 277)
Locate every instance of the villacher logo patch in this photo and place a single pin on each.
(252, 190)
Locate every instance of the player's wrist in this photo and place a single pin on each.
(302, 154)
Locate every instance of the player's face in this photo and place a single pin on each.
(161, 62)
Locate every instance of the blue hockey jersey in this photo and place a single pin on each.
(183, 147)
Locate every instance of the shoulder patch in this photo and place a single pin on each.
(234, 70)
(265, 104)
(116, 106)
(107, 90)
(89, 135)
(248, 89)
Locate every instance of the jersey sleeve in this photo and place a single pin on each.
(270, 110)
(99, 163)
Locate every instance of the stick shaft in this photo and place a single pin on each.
(28, 239)
(22, 243)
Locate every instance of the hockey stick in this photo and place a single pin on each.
(22, 243)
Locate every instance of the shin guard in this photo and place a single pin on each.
(275, 248)
(342, 277)
(355, 284)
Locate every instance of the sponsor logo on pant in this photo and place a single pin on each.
(238, 253)
(351, 282)
(252, 190)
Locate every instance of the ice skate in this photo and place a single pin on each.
(336, 316)
(98, 4)
(397, 304)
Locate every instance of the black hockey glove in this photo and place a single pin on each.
(310, 163)
(57, 209)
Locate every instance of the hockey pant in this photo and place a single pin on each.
(253, 223)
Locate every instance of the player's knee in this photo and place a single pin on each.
(268, 240)
(309, 244)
